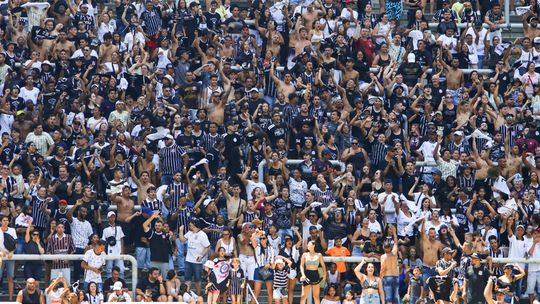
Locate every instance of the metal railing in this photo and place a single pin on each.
(262, 164)
(79, 257)
(249, 291)
(357, 259)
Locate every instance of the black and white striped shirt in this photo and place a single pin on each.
(171, 159)
(152, 21)
(512, 132)
(378, 152)
(464, 182)
(179, 190)
(39, 218)
(155, 205)
(183, 218)
(281, 277)
(208, 141)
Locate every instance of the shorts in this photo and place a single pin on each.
(193, 272)
(371, 298)
(280, 293)
(8, 267)
(312, 277)
(292, 274)
(259, 278)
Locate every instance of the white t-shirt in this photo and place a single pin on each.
(95, 261)
(535, 255)
(404, 224)
(29, 94)
(375, 227)
(114, 231)
(125, 295)
(196, 244)
(447, 41)
(388, 204)
(427, 149)
(517, 248)
(252, 185)
(305, 228)
(53, 297)
(10, 231)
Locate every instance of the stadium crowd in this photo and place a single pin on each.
(233, 143)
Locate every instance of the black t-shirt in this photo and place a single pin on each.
(160, 246)
(108, 284)
(213, 21)
(477, 280)
(145, 284)
(137, 231)
(442, 287)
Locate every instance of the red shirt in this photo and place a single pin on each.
(367, 48)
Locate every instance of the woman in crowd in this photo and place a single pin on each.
(372, 291)
(309, 273)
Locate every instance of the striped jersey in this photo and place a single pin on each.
(178, 190)
(184, 214)
(171, 159)
(281, 277)
(60, 246)
(154, 205)
(38, 216)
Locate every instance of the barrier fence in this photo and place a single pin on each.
(79, 257)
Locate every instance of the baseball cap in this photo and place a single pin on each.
(146, 210)
(62, 201)
(447, 250)
(475, 256)
(436, 172)
(117, 286)
(411, 58)
(111, 213)
(280, 261)
(169, 137)
(509, 265)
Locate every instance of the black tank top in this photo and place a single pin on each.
(31, 298)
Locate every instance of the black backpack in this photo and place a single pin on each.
(9, 242)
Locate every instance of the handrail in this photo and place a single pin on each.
(250, 291)
(79, 257)
(294, 162)
(357, 259)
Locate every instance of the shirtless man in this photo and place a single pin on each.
(513, 160)
(309, 16)
(47, 44)
(246, 251)
(143, 184)
(349, 73)
(301, 41)
(454, 78)
(389, 269)
(17, 32)
(62, 44)
(107, 49)
(481, 162)
(124, 203)
(430, 251)
(286, 87)
(235, 204)
(530, 23)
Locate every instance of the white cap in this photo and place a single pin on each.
(170, 137)
(411, 58)
(117, 286)
(280, 261)
(110, 214)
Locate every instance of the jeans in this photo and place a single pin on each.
(166, 179)
(427, 272)
(118, 263)
(33, 270)
(533, 283)
(21, 246)
(162, 266)
(143, 257)
(181, 255)
(391, 289)
(77, 268)
(193, 272)
(480, 61)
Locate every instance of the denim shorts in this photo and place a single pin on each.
(193, 272)
(371, 299)
(258, 278)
